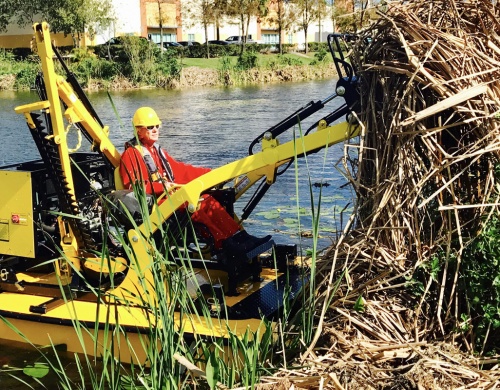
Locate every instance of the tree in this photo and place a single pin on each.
(71, 17)
(21, 12)
(307, 11)
(204, 12)
(245, 9)
(160, 19)
(350, 15)
(161, 15)
(283, 16)
(322, 15)
(74, 17)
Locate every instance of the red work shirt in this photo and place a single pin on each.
(133, 168)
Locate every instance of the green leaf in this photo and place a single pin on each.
(38, 370)
(212, 370)
(290, 222)
(273, 214)
(359, 306)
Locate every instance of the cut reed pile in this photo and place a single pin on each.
(396, 305)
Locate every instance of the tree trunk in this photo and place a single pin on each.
(217, 28)
(280, 26)
(160, 23)
(205, 26)
(305, 40)
(242, 19)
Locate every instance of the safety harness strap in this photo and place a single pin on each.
(149, 161)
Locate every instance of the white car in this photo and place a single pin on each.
(238, 39)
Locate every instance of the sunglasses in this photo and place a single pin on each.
(149, 128)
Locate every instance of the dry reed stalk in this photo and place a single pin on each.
(423, 175)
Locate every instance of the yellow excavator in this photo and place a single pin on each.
(65, 258)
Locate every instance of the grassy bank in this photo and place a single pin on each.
(146, 66)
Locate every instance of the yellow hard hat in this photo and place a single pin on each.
(145, 116)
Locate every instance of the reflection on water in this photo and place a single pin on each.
(212, 127)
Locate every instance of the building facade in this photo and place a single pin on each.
(163, 20)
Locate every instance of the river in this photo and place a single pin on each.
(209, 127)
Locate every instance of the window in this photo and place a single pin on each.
(155, 37)
(190, 37)
(270, 39)
(290, 38)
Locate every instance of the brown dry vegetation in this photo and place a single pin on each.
(423, 173)
(194, 76)
(203, 77)
(7, 82)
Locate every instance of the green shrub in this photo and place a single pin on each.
(141, 57)
(169, 64)
(281, 61)
(320, 56)
(224, 50)
(480, 283)
(247, 60)
(25, 77)
(94, 68)
(195, 51)
(317, 46)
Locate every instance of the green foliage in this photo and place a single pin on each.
(169, 64)
(238, 360)
(247, 60)
(318, 47)
(68, 16)
(7, 64)
(199, 51)
(281, 61)
(359, 305)
(223, 50)
(6, 55)
(23, 71)
(25, 77)
(480, 284)
(141, 62)
(38, 370)
(320, 56)
(90, 67)
(225, 64)
(141, 59)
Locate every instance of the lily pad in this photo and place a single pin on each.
(272, 214)
(290, 222)
(38, 370)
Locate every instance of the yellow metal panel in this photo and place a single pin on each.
(17, 237)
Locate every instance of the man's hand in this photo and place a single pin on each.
(170, 186)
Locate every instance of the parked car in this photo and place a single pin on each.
(166, 45)
(118, 41)
(189, 43)
(218, 42)
(238, 39)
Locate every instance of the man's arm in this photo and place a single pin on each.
(183, 172)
